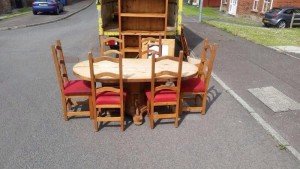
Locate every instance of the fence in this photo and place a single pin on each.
(295, 19)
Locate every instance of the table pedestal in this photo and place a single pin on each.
(136, 101)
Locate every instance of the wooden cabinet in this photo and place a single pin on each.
(141, 17)
(133, 17)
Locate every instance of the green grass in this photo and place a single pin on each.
(190, 10)
(15, 13)
(282, 146)
(261, 35)
(247, 28)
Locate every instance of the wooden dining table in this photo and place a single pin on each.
(136, 78)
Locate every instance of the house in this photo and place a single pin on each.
(206, 3)
(254, 7)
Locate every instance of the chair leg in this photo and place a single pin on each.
(180, 105)
(177, 114)
(65, 108)
(204, 104)
(122, 119)
(151, 116)
(148, 109)
(91, 108)
(95, 120)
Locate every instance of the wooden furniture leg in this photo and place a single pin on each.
(135, 101)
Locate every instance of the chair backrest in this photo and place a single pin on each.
(104, 41)
(148, 42)
(60, 65)
(114, 75)
(206, 66)
(203, 56)
(166, 74)
(184, 44)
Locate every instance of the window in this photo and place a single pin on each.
(224, 1)
(255, 5)
(267, 5)
(289, 11)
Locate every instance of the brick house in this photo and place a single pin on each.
(254, 7)
(206, 3)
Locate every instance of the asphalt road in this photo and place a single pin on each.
(243, 65)
(34, 134)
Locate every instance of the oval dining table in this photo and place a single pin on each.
(136, 78)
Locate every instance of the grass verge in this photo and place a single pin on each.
(16, 12)
(247, 28)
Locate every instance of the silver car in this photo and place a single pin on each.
(279, 17)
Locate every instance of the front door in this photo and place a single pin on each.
(232, 7)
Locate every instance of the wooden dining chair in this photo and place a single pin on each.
(111, 41)
(70, 89)
(107, 97)
(184, 43)
(148, 42)
(163, 94)
(198, 86)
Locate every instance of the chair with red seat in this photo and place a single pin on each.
(107, 97)
(198, 86)
(164, 95)
(70, 89)
(111, 41)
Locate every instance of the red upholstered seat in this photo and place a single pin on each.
(162, 96)
(108, 98)
(77, 87)
(193, 85)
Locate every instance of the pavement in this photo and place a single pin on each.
(29, 19)
(243, 66)
(293, 51)
(33, 133)
(290, 49)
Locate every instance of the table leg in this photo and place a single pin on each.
(135, 101)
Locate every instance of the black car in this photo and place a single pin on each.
(279, 17)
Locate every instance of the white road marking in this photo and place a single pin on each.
(256, 116)
(274, 99)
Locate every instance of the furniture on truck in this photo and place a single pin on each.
(130, 18)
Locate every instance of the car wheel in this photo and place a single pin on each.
(281, 24)
(57, 11)
(267, 25)
(34, 12)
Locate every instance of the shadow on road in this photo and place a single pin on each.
(193, 39)
(212, 95)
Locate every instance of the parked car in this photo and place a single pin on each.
(53, 6)
(279, 17)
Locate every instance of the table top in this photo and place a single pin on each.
(134, 70)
